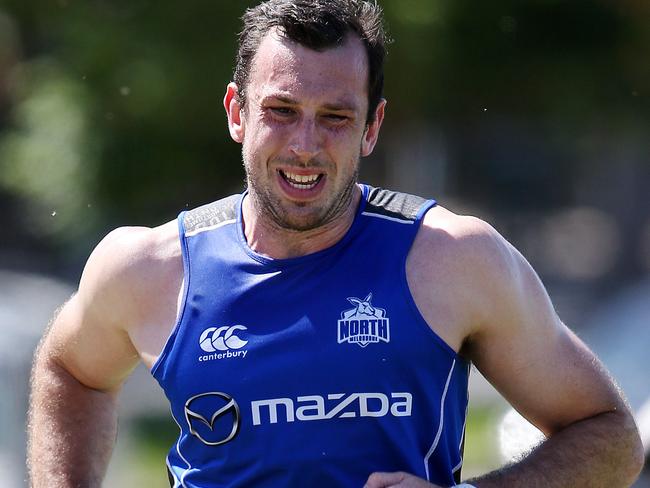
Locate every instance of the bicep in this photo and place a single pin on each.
(542, 368)
(88, 337)
(88, 346)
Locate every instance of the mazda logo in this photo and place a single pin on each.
(223, 413)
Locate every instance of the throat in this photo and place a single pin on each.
(270, 240)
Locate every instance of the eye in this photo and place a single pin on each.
(282, 111)
(336, 118)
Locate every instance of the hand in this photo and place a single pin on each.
(399, 479)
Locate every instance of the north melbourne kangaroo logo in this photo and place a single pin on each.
(363, 324)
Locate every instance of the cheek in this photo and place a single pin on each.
(265, 138)
(255, 141)
(349, 146)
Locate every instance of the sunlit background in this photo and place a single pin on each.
(534, 115)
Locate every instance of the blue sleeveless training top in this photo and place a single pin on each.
(310, 371)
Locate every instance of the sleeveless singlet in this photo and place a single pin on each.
(311, 371)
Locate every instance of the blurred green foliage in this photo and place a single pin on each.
(48, 157)
(110, 112)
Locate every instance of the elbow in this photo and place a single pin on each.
(637, 463)
(639, 460)
(636, 450)
(626, 458)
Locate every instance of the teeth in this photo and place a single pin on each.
(301, 182)
(301, 178)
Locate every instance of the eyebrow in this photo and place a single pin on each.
(279, 98)
(341, 106)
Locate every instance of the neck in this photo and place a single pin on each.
(267, 238)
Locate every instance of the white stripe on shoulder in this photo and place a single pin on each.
(386, 217)
(441, 423)
(211, 227)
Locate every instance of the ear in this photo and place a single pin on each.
(354, 301)
(234, 112)
(371, 134)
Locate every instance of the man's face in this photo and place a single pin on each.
(303, 129)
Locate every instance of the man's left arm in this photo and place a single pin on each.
(546, 372)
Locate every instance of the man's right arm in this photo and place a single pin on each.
(79, 368)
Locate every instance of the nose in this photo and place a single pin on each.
(305, 140)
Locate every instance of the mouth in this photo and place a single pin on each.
(301, 182)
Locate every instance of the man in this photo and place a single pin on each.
(314, 331)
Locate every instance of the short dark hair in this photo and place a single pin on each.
(318, 25)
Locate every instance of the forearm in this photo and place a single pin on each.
(71, 429)
(602, 451)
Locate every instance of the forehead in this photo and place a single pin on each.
(283, 67)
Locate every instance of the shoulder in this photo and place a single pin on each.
(464, 242)
(128, 277)
(466, 261)
(130, 266)
(211, 214)
(132, 252)
(393, 204)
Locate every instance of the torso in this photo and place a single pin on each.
(408, 345)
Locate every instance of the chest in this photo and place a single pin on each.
(336, 322)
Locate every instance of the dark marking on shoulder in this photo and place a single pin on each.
(394, 204)
(211, 214)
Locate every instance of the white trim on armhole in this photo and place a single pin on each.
(441, 423)
(179, 303)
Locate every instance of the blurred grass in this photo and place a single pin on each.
(481, 441)
(152, 437)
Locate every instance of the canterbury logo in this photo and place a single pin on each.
(215, 339)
